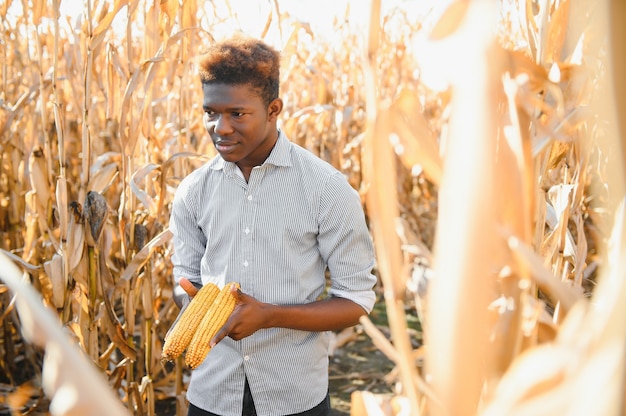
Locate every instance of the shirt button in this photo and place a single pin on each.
(245, 263)
(247, 231)
(249, 197)
(246, 358)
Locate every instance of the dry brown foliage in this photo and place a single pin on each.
(491, 195)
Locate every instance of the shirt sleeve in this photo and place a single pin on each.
(188, 238)
(345, 243)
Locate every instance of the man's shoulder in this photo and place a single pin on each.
(308, 160)
(198, 177)
(318, 175)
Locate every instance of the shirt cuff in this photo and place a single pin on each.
(364, 298)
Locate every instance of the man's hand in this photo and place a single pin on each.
(188, 287)
(248, 317)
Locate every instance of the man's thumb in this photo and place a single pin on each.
(188, 287)
(237, 293)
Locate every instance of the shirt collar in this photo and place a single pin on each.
(279, 156)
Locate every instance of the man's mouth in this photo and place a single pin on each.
(224, 146)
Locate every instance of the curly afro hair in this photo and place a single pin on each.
(242, 60)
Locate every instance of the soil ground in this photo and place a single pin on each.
(357, 366)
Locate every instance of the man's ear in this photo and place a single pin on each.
(274, 109)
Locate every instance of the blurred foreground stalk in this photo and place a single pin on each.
(514, 212)
(466, 250)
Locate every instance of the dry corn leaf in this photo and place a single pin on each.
(268, 24)
(553, 378)
(417, 144)
(76, 331)
(31, 223)
(379, 339)
(518, 165)
(116, 75)
(147, 296)
(381, 204)
(450, 19)
(140, 194)
(189, 15)
(105, 22)
(5, 7)
(576, 57)
(373, 35)
(112, 325)
(62, 205)
(544, 278)
(23, 263)
(55, 272)
(558, 209)
(367, 403)
(69, 379)
(75, 236)
(128, 127)
(38, 175)
(38, 8)
(105, 159)
(380, 199)
(554, 32)
(143, 255)
(580, 255)
(169, 8)
(101, 179)
(168, 164)
(529, 24)
(532, 374)
(530, 76)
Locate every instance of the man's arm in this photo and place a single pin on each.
(189, 244)
(251, 315)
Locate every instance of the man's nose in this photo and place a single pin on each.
(223, 126)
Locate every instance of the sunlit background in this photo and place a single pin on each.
(251, 16)
(511, 253)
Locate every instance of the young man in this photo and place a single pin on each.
(274, 218)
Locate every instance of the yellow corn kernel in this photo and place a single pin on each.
(214, 319)
(181, 334)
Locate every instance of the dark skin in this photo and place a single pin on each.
(244, 131)
(241, 127)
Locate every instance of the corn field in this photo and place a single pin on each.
(486, 140)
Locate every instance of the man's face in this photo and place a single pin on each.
(242, 128)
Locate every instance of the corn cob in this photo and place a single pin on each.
(214, 319)
(184, 328)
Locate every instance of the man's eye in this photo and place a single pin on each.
(209, 114)
(237, 114)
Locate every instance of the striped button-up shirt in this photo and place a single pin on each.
(276, 235)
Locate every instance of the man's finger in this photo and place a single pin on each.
(188, 287)
(219, 336)
(239, 296)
